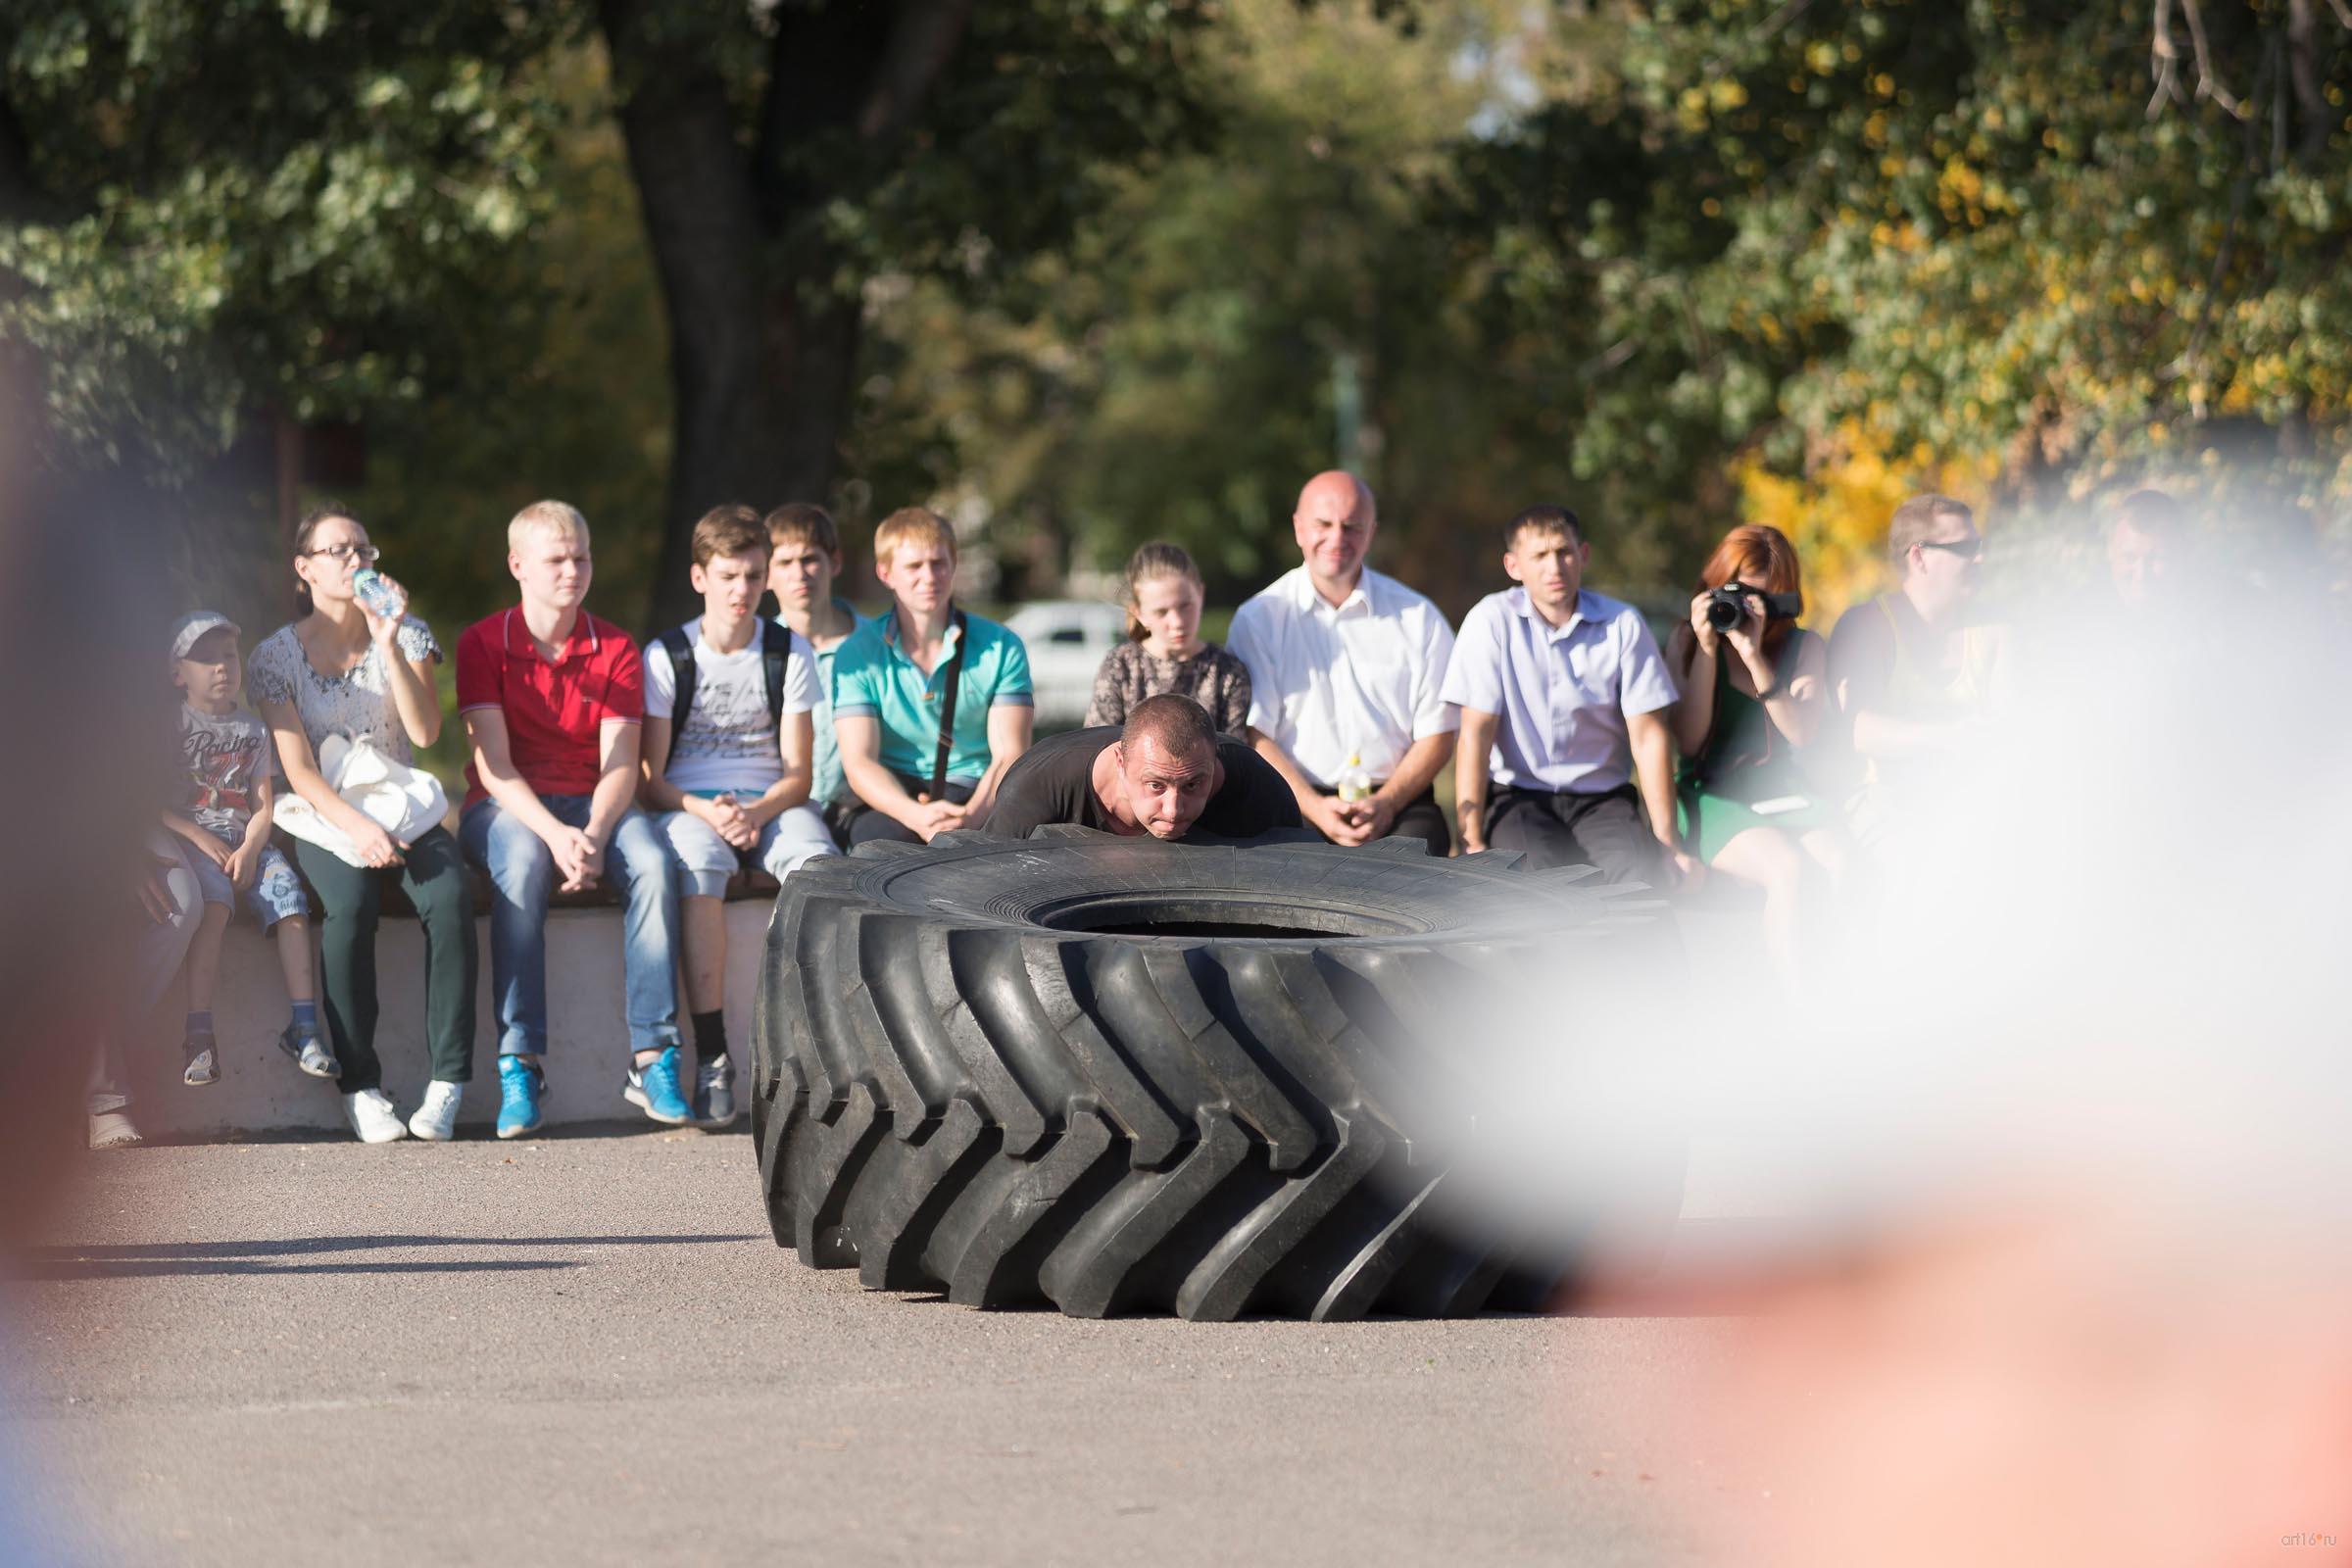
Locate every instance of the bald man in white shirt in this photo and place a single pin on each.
(1346, 663)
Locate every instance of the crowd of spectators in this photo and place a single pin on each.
(1747, 750)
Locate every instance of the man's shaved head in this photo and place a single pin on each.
(1333, 527)
(1179, 725)
(1337, 488)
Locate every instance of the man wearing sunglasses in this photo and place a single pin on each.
(1911, 669)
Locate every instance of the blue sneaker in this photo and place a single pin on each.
(518, 1086)
(653, 1089)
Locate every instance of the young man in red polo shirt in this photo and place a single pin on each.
(552, 697)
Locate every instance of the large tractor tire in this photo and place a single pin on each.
(1118, 1075)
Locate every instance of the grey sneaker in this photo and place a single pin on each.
(202, 1063)
(309, 1054)
(714, 1091)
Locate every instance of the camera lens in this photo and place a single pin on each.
(1723, 614)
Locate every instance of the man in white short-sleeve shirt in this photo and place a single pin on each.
(1563, 702)
(1346, 669)
(727, 770)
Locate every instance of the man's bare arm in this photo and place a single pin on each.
(494, 766)
(1317, 809)
(796, 738)
(616, 783)
(1417, 770)
(1010, 726)
(1472, 743)
(860, 740)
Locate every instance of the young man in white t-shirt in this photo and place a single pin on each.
(727, 769)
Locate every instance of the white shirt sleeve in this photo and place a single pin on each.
(802, 691)
(1644, 684)
(661, 681)
(1250, 640)
(1432, 714)
(1474, 669)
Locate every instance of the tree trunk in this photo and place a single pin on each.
(23, 200)
(706, 237)
(762, 344)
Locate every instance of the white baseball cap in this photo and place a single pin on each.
(194, 624)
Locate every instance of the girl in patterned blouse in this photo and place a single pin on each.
(1165, 653)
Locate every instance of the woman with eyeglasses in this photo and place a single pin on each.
(359, 666)
(1754, 693)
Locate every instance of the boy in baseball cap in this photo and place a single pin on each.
(222, 805)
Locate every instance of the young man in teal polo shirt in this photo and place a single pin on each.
(914, 778)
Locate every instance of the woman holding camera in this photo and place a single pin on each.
(1754, 691)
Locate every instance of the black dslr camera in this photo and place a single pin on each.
(1727, 605)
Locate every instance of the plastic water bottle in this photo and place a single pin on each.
(374, 591)
(1354, 784)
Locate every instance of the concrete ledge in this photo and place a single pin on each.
(260, 1090)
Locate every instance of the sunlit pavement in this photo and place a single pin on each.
(587, 1348)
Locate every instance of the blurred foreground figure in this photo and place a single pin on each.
(2052, 1385)
(2044, 1223)
(171, 903)
(97, 923)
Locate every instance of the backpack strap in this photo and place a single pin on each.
(775, 659)
(683, 671)
(947, 709)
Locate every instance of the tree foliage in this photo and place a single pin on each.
(786, 156)
(1297, 294)
(2042, 235)
(216, 205)
(1095, 271)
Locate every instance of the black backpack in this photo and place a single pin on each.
(776, 656)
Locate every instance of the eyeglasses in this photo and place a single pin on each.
(362, 554)
(1965, 549)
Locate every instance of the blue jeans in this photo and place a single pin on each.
(523, 872)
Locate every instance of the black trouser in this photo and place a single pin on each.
(1604, 829)
(867, 824)
(1418, 818)
(350, 898)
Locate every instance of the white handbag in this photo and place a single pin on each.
(405, 801)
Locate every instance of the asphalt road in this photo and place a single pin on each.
(588, 1350)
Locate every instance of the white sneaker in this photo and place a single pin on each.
(373, 1116)
(112, 1129)
(436, 1120)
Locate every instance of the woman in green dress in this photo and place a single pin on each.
(1753, 697)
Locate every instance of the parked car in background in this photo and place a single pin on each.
(1066, 640)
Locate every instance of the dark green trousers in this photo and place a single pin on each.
(351, 896)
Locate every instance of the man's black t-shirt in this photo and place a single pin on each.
(1054, 782)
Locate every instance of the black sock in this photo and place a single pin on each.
(709, 1035)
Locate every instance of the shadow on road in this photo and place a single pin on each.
(606, 1127)
(276, 1256)
(92, 1268)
